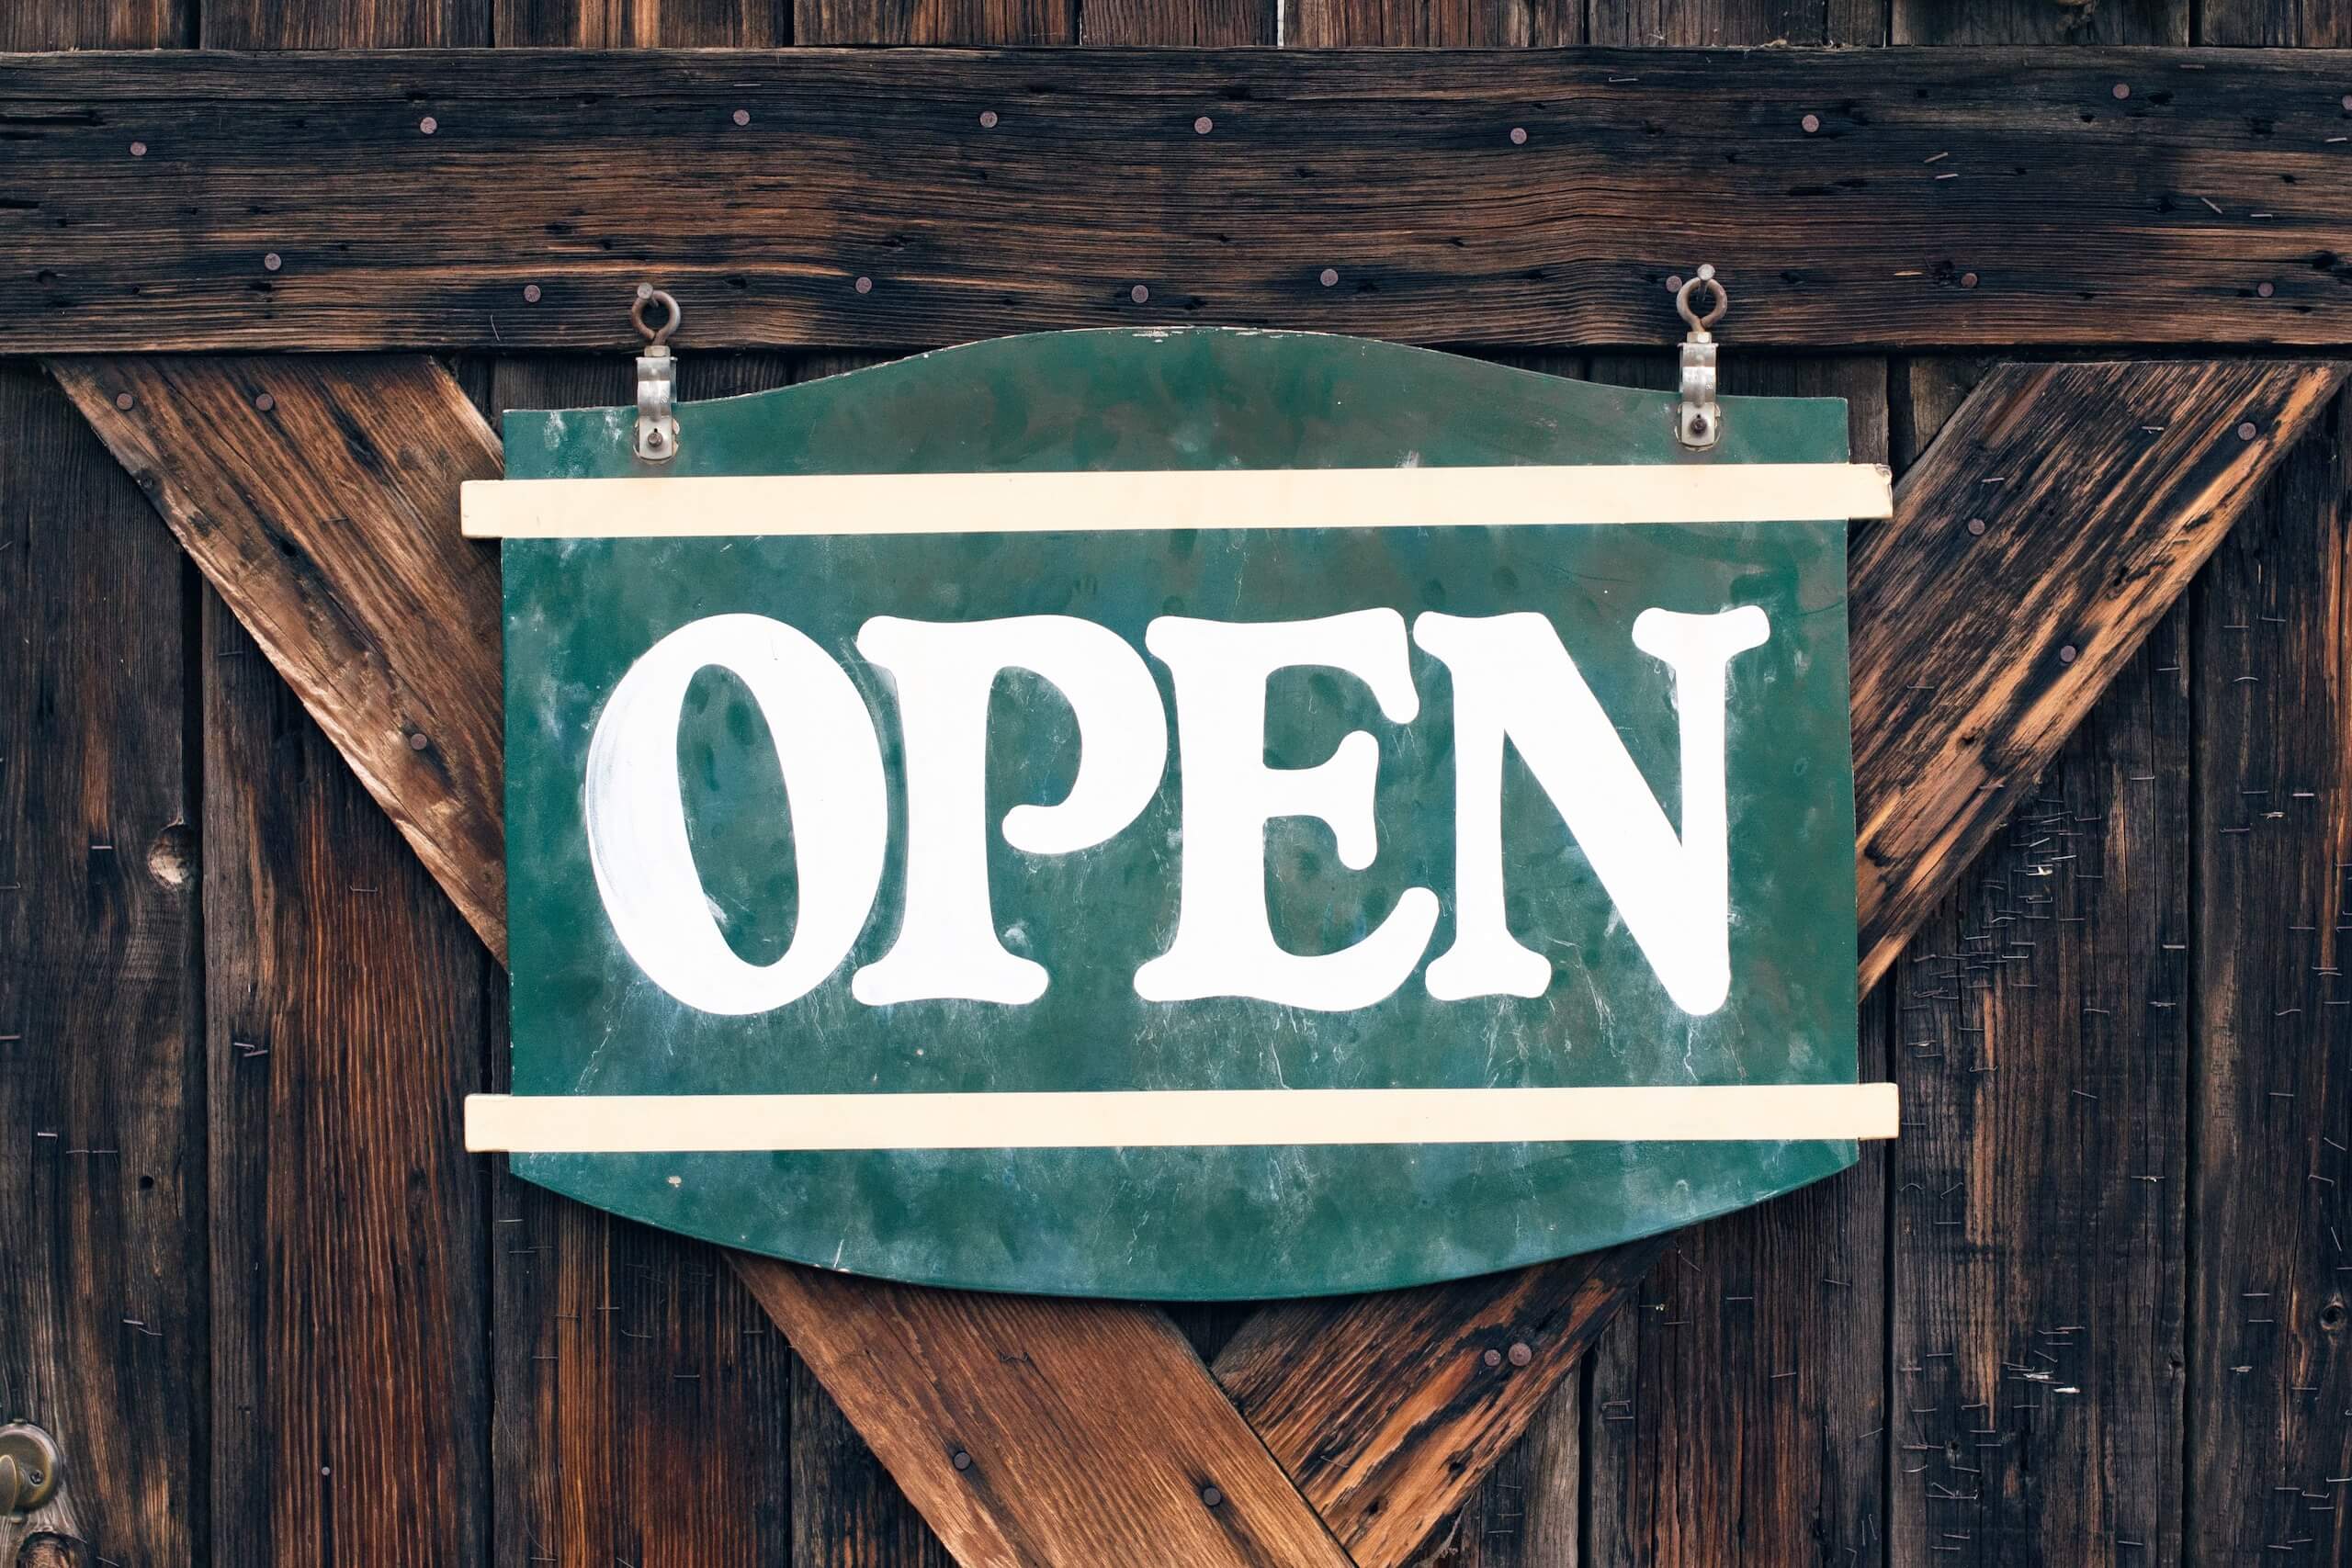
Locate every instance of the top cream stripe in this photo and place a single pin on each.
(1220, 497)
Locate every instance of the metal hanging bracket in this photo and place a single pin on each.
(1699, 420)
(29, 1465)
(657, 378)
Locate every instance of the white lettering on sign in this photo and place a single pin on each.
(947, 944)
(636, 812)
(1513, 684)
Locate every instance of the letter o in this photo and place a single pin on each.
(636, 815)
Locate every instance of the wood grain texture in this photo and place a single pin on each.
(1039, 1430)
(346, 1021)
(641, 24)
(2269, 1379)
(345, 24)
(2085, 22)
(2101, 489)
(354, 553)
(2041, 1239)
(102, 1253)
(1730, 1416)
(392, 643)
(618, 1348)
(98, 24)
(1388, 1409)
(2081, 218)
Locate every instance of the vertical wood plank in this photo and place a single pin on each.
(2041, 1043)
(1432, 24)
(346, 1023)
(345, 24)
(97, 24)
(643, 1400)
(102, 1265)
(2269, 1378)
(103, 1297)
(348, 1011)
(641, 24)
(2105, 22)
(1716, 24)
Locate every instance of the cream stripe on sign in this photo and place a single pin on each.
(1222, 498)
(1175, 1118)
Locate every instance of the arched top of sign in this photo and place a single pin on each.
(1181, 814)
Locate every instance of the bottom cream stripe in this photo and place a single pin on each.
(1173, 1118)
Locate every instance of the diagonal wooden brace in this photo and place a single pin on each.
(1042, 1431)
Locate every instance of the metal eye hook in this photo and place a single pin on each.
(646, 295)
(1705, 279)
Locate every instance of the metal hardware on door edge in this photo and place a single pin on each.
(1698, 422)
(657, 378)
(29, 1465)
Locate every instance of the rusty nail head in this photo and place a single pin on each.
(264, 402)
(1521, 1354)
(428, 124)
(1519, 136)
(1968, 281)
(531, 293)
(1976, 524)
(743, 116)
(123, 401)
(2246, 430)
(1211, 1497)
(2123, 91)
(1811, 122)
(138, 149)
(1138, 294)
(2264, 290)
(270, 262)
(987, 119)
(865, 286)
(1674, 283)
(2066, 654)
(962, 1459)
(1493, 1357)
(1329, 276)
(418, 741)
(1203, 126)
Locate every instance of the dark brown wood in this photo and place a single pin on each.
(2272, 1113)
(345, 24)
(345, 1022)
(2039, 1242)
(102, 1249)
(619, 1347)
(2089, 22)
(1730, 1417)
(354, 553)
(2100, 488)
(97, 24)
(1386, 1408)
(1039, 1430)
(846, 1510)
(641, 24)
(2071, 216)
(393, 648)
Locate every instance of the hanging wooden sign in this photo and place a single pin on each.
(1180, 814)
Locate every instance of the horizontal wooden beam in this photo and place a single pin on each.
(478, 199)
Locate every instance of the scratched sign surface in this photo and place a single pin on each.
(1071, 811)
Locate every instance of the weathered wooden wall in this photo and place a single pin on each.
(2088, 1309)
